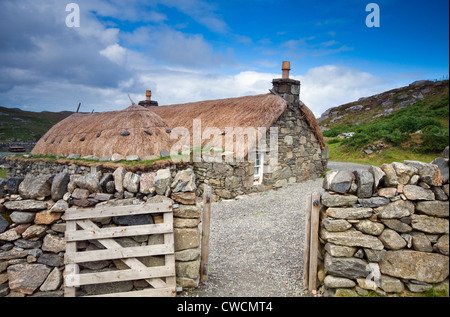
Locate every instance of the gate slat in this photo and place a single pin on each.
(120, 275)
(113, 232)
(104, 212)
(119, 253)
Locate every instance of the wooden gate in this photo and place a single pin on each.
(81, 227)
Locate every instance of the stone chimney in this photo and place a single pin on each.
(148, 102)
(288, 89)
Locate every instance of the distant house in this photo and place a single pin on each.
(237, 145)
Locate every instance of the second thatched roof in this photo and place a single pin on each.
(132, 131)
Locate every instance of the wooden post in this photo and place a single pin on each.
(307, 243)
(314, 242)
(206, 216)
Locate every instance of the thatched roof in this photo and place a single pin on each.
(132, 131)
(249, 111)
(242, 112)
(147, 129)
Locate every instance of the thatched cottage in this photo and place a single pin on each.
(253, 143)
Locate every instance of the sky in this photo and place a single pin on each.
(192, 50)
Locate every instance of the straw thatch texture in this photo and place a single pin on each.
(310, 118)
(232, 113)
(99, 134)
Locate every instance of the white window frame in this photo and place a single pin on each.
(259, 168)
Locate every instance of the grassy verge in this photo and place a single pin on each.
(341, 154)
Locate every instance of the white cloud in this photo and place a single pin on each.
(115, 53)
(328, 86)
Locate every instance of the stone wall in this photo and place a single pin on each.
(386, 229)
(32, 244)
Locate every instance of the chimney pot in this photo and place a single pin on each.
(286, 68)
(148, 94)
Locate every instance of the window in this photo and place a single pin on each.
(259, 168)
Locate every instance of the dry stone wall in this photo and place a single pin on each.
(385, 229)
(32, 244)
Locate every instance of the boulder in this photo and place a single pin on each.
(413, 192)
(184, 181)
(370, 227)
(392, 240)
(27, 278)
(147, 183)
(433, 208)
(414, 265)
(442, 164)
(19, 217)
(353, 238)
(186, 238)
(59, 186)
(395, 210)
(429, 224)
(404, 172)
(349, 213)
(12, 185)
(26, 205)
(351, 268)
(162, 181)
(131, 182)
(53, 243)
(336, 225)
(429, 173)
(53, 281)
(373, 202)
(4, 224)
(365, 183)
(378, 176)
(187, 198)
(338, 282)
(390, 178)
(338, 181)
(340, 250)
(36, 186)
(330, 200)
(442, 244)
(90, 182)
(119, 175)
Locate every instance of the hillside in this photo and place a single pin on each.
(25, 126)
(367, 109)
(413, 119)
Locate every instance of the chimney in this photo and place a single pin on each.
(286, 68)
(148, 102)
(285, 87)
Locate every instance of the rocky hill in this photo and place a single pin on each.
(18, 126)
(367, 109)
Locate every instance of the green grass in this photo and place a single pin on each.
(339, 153)
(2, 173)
(398, 132)
(26, 126)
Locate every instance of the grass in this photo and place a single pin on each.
(440, 291)
(393, 154)
(2, 173)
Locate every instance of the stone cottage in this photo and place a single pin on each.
(237, 145)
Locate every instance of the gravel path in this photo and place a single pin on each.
(256, 243)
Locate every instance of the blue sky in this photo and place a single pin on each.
(189, 50)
